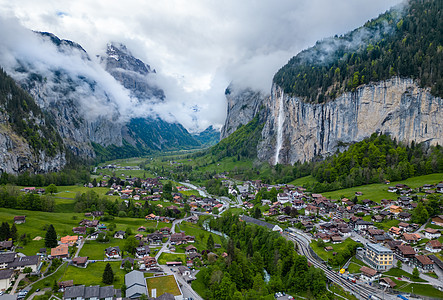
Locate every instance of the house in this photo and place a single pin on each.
(404, 216)
(431, 233)
(61, 251)
(6, 259)
(439, 188)
(283, 198)
(362, 225)
(193, 219)
(411, 237)
(404, 253)
(20, 263)
(113, 252)
(141, 228)
(377, 218)
(368, 274)
(148, 263)
(403, 226)
(184, 271)
(423, 263)
(64, 284)
(127, 259)
(438, 220)
(79, 230)
(335, 239)
(142, 251)
(6, 277)
(394, 209)
(19, 219)
(433, 246)
(178, 238)
(387, 282)
(70, 240)
(119, 234)
(80, 261)
(165, 230)
(81, 292)
(190, 249)
(155, 238)
(395, 231)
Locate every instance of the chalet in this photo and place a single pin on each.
(20, 263)
(70, 240)
(387, 282)
(283, 198)
(404, 253)
(368, 202)
(178, 238)
(386, 214)
(119, 234)
(439, 188)
(130, 260)
(61, 251)
(64, 284)
(79, 230)
(89, 223)
(141, 228)
(345, 232)
(193, 256)
(151, 217)
(404, 216)
(148, 263)
(431, 233)
(404, 226)
(193, 219)
(155, 238)
(142, 251)
(411, 237)
(113, 252)
(98, 214)
(323, 236)
(139, 236)
(423, 263)
(165, 230)
(311, 210)
(392, 189)
(19, 219)
(393, 244)
(368, 274)
(428, 186)
(377, 218)
(395, 231)
(336, 239)
(433, 246)
(362, 225)
(438, 220)
(394, 209)
(190, 249)
(184, 271)
(80, 261)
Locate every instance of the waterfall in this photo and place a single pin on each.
(280, 121)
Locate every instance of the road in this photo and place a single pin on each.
(223, 200)
(360, 290)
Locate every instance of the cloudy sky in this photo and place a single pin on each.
(199, 46)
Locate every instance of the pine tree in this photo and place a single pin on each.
(108, 275)
(51, 237)
(210, 243)
(4, 231)
(13, 233)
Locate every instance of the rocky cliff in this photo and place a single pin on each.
(299, 131)
(243, 104)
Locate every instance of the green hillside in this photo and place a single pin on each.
(405, 42)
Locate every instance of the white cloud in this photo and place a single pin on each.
(198, 47)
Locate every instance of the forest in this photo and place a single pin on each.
(250, 251)
(404, 42)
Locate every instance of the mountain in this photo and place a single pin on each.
(383, 77)
(28, 138)
(208, 137)
(100, 106)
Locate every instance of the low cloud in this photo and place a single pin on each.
(197, 47)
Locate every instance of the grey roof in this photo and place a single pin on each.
(107, 291)
(165, 296)
(74, 291)
(7, 257)
(8, 297)
(24, 261)
(6, 273)
(135, 291)
(135, 278)
(92, 292)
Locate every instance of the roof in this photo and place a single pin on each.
(74, 291)
(378, 248)
(7, 257)
(368, 271)
(432, 230)
(24, 261)
(68, 239)
(389, 281)
(435, 244)
(406, 249)
(4, 274)
(135, 278)
(165, 296)
(92, 292)
(80, 260)
(424, 260)
(62, 249)
(436, 261)
(136, 291)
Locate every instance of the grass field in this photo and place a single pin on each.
(325, 255)
(191, 229)
(163, 284)
(95, 250)
(399, 273)
(379, 191)
(92, 275)
(170, 257)
(422, 289)
(339, 290)
(355, 265)
(199, 287)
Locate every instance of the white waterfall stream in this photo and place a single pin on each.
(280, 121)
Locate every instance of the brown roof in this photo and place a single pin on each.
(368, 271)
(389, 281)
(435, 244)
(431, 230)
(60, 250)
(406, 249)
(410, 237)
(80, 260)
(424, 260)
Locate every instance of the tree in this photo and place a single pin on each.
(108, 275)
(51, 237)
(5, 231)
(415, 273)
(210, 243)
(51, 189)
(399, 264)
(131, 244)
(257, 213)
(27, 270)
(215, 211)
(13, 233)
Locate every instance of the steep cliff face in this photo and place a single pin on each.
(300, 131)
(243, 105)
